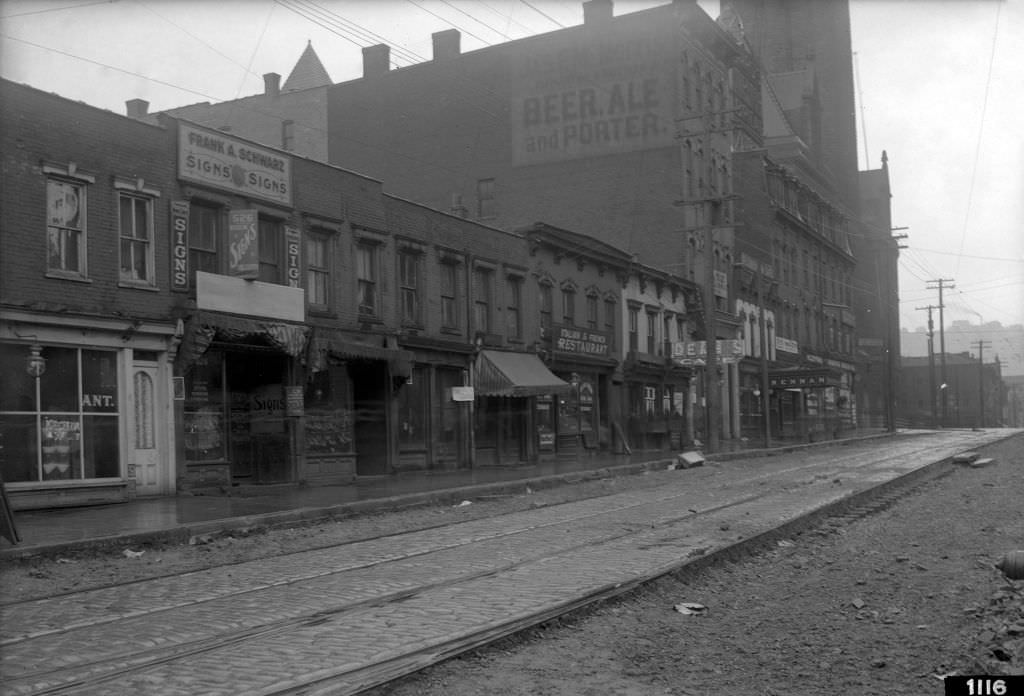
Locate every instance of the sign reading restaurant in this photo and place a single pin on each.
(570, 339)
(215, 159)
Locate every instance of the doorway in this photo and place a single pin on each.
(370, 400)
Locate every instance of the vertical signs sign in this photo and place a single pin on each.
(179, 246)
(293, 246)
(243, 244)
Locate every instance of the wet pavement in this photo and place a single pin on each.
(181, 516)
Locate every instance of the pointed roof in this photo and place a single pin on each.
(308, 72)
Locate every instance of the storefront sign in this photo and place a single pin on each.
(787, 345)
(462, 394)
(799, 379)
(691, 353)
(179, 246)
(243, 244)
(293, 247)
(216, 159)
(569, 339)
(294, 401)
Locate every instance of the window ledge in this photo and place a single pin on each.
(137, 285)
(73, 277)
(321, 311)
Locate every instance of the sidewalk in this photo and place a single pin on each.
(176, 518)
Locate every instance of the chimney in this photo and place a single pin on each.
(271, 84)
(136, 108)
(597, 11)
(376, 60)
(446, 43)
(458, 209)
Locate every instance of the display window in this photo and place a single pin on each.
(62, 423)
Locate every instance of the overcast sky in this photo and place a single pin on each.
(940, 89)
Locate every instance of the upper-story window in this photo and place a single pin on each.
(666, 334)
(483, 298)
(634, 328)
(204, 233)
(318, 269)
(449, 295)
(135, 222)
(66, 227)
(546, 308)
(592, 311)
(652, 323)
(569, 305)
(609, 321)
(514, 310)
(287, 135)
(487, 204)
(271, 238)
(409, 262)
(367, 275)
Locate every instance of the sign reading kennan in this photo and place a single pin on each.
(216, 159)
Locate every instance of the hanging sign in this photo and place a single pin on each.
(293, 247)
(244, 244)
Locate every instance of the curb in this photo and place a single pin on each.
(181, 534)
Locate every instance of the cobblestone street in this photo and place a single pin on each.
(348, 616)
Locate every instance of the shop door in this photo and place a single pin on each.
(146, 455)
(370, 403)
(260, 441)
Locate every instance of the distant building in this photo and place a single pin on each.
(976, 393)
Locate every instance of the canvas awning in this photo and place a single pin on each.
(328, 342)
(203, 327)
(504, 373)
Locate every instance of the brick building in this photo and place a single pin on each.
(87, 327)
(977, 394)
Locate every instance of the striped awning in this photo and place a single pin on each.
(329, 342)
(203, 327)
(504, 373)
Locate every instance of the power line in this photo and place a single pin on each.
(981, 130)
(58, 9)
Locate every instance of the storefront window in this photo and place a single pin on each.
(328, 412)
(447, 440)
(205, 439)
(63, 425)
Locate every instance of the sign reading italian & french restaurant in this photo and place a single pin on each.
(570, 339)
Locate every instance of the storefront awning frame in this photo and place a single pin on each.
(513, 374)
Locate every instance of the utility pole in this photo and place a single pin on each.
(941, 283)
(931, 365)
(981, 381)
(763, 330)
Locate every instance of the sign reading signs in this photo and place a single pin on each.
(216, 159)
(179, 246)
(570, 339)
(293, 246)
(243, 244)
(691, 353)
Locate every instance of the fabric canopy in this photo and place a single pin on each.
(328, 342)
(203, 327)
(503, 373)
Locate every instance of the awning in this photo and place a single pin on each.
(203, 327)
(504, 373)
(327, 342)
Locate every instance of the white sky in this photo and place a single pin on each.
(940, 91)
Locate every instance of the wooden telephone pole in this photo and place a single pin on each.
(981, 380)
(931, 366)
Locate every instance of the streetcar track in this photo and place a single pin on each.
(163, 654)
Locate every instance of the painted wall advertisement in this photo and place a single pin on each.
(216, 159)
(592, 98)
(243, 244)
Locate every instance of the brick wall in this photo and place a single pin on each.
(37, 127)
